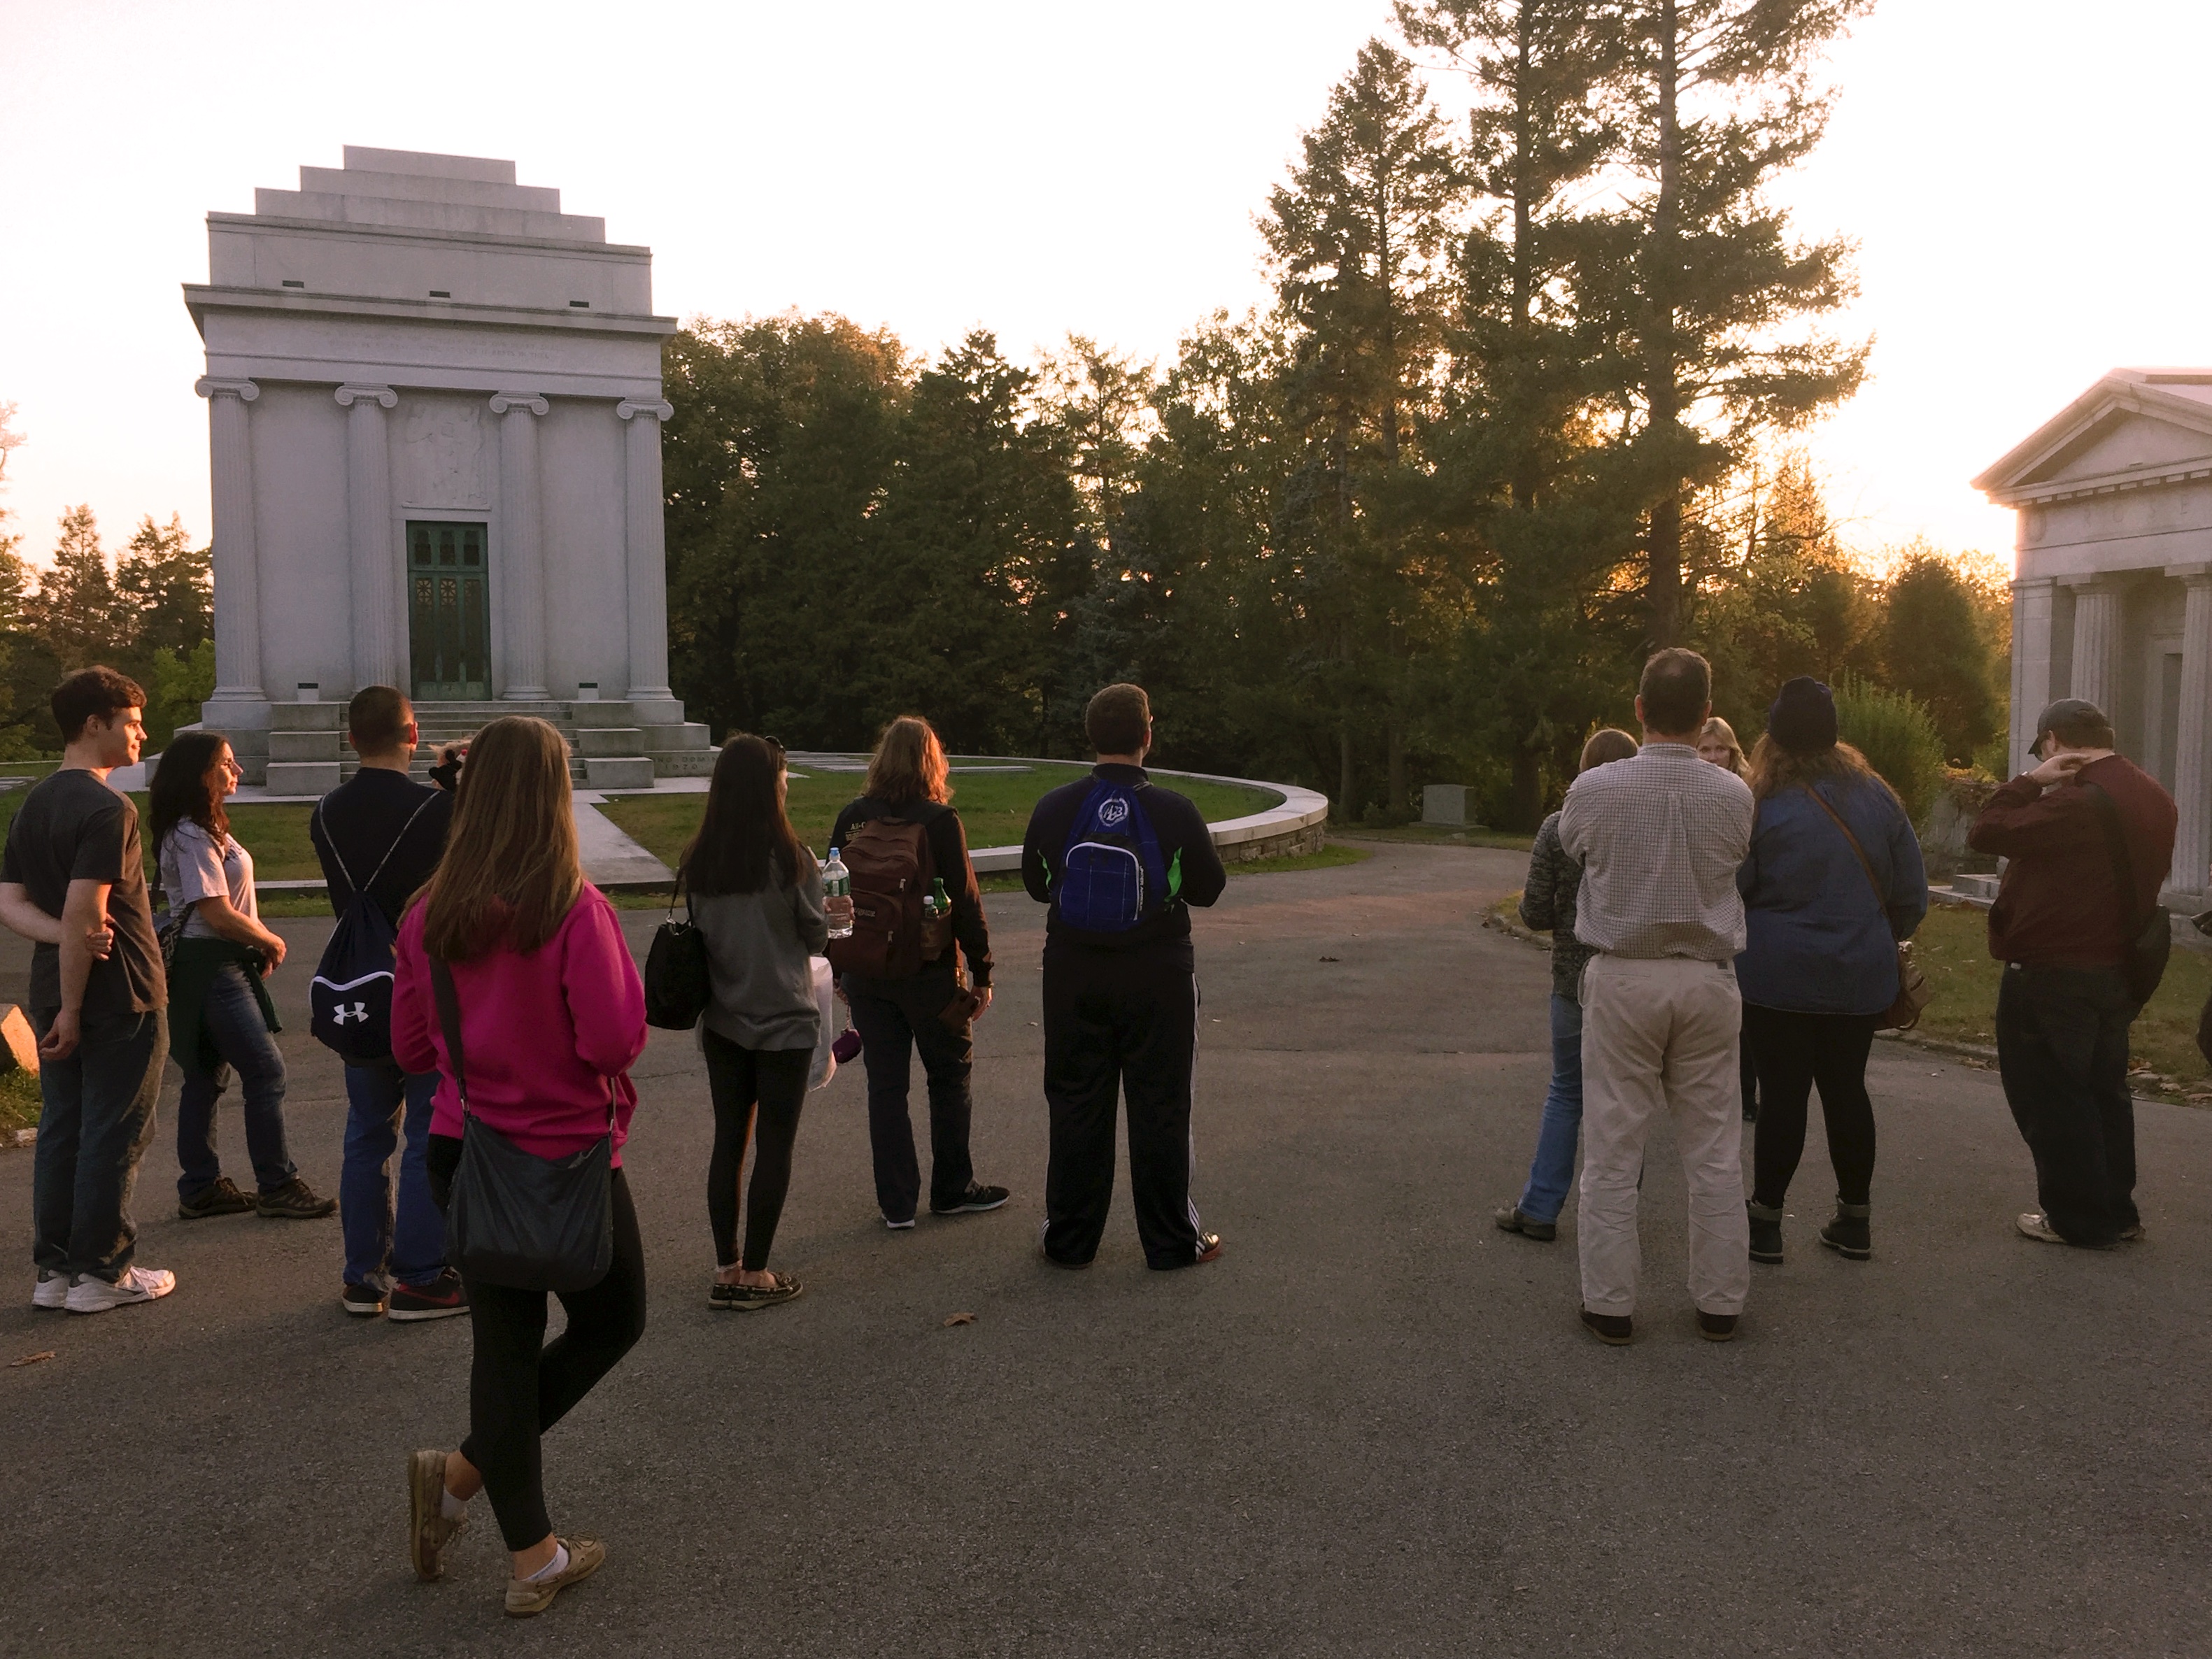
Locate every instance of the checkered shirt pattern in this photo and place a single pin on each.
(1659, 836)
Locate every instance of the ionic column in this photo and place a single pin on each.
(646, 550)
(236, 566)
(2097, 645)
(521, 545)
(369, 536)
(2033, 600)
(2192, 748)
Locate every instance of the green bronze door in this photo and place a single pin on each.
(449, 612)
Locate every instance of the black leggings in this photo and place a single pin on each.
(740, 1079)
(519, 1385)
(1796, 1052)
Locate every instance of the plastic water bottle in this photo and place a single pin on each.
(938, 904)
(837, 882)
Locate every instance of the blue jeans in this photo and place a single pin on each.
(388, 1241)
(1553, 1169)
(95, 1119)
(230, 1018)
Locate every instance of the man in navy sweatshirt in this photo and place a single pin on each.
(1121, 861)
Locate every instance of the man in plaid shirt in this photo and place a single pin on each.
(1660, 837)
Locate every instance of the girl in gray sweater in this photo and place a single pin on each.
(757, 899)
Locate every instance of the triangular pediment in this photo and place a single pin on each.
(2134, 427)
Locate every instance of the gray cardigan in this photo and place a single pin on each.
(757, 945)
(1548, 903)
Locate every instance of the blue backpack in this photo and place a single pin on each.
(1112, 875)
(350, 998)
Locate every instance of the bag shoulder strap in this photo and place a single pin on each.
(2116, 845)
(421, 808)
(449, 1018)
(336, 857)
(1865, 863)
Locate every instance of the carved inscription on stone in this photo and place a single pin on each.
(438, 461)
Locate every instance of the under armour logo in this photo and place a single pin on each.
(357, 1011)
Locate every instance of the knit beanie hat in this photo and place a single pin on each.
(1803, 718)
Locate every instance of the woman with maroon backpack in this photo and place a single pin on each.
(917, 912)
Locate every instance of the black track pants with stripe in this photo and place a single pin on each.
(1120, 1021)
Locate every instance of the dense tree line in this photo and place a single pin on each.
(1521, 409)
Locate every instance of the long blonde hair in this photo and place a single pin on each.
(512, 870)
(1717, 728)
(908, 764)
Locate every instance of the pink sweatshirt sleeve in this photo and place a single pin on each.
(606, 998)
(414, 1010)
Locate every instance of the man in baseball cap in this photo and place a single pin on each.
(2088, 836)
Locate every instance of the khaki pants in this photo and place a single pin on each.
(1662, 1036)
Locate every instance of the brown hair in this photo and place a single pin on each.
(378, 718)
(745, 840)
(1118, 719)
(1717, 728)
(512, 870)
(179, 793)
(1677, 687)
(908, 764)
(91, 694)
(1774, 768)
(2080, 729)
(1606, 745)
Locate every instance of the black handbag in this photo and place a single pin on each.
(678, 981)
(515, 1218)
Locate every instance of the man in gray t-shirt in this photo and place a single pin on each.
(73, 879)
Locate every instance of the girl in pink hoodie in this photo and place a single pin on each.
(552, 1017)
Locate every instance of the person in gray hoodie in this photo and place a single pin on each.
(757, 899)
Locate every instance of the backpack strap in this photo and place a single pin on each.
(2116, 845)
(421, 808)
(333, 846)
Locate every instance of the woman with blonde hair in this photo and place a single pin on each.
(1833, 882)
(908, 788)
(1717, 743)
(550, 1017)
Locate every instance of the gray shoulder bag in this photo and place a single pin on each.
(515, 1218)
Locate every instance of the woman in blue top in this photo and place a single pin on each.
(1819, 967)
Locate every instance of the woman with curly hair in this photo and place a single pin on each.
(221, 1019)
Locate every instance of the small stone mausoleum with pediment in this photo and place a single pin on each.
(2113, 582)
(434, 409)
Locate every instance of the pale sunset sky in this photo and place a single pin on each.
(2022, 180)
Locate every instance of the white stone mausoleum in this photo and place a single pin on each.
(2112, 588)
(434, 410)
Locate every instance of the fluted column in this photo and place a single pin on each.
(2192, 748)
(236, 573)
(521, 569)
(645, 548)
(371, 553)
(2034, 599)
(2097, 645)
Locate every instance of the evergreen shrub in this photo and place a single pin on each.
(1894, 731)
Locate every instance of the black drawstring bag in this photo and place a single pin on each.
(678, 983)
(515, 1218)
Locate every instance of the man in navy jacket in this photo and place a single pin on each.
(1120, 1011)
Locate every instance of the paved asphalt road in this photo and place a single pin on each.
(1373, 1427)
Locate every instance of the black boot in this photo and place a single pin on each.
(1847, 1234)
(1766, 1233)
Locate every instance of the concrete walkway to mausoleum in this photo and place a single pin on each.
(1374, 1426)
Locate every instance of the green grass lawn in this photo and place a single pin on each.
(19, 1101)
(994, 806)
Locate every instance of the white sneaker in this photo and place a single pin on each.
(51, 1292)
(906, 1225)
(91, 1295)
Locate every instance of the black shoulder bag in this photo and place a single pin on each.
(515, 1218)
(2151, 942)
(678, 979)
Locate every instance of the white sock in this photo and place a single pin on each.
(552, 1569)
(453, 1508)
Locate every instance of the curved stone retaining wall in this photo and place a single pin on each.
(1299, 824)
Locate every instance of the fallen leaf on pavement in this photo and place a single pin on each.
(30, 1359)
(956, 1319)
